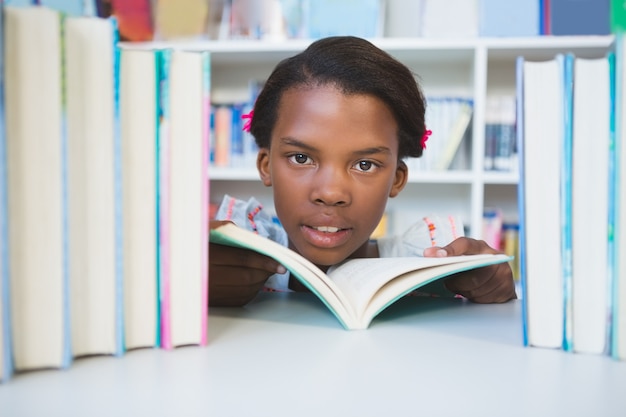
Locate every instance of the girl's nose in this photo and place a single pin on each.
(331, 187)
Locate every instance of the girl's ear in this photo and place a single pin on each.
(402, 176)
(263, 166)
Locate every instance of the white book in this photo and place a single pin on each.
(541, 135)
(590, 205)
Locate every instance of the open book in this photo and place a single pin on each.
(357, 289)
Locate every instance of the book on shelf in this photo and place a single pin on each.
(356, 290)
(138, 122)
(590, 199)
(93, 186)
(459, 125)
(541, 115)
(618, 329)
(69, 7)
(618, 16)
(134, 18)
(508, 18)
(180, 19)
(578, 17)
(184, 80)
(322, 18)
(35, 181)
(500, 142)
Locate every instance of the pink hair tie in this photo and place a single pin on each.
(425, 138)
(249, 116)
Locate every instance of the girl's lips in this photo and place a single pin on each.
(325, 236)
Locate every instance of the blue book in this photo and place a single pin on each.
(579, 17)
(67, 7)
(565, 200)
(507, 18)
(6, 362)
(324, 18)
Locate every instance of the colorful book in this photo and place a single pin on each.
(36, 194)
(541, 115)
(93, 185)
(138, 120)
(180, 19)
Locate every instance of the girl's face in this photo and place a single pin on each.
(333, 163)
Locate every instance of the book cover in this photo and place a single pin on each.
(138, 141)
(94, 191)
(35, 189)
(353, 299)
(579, 17)
(502, 18)
(541, 135)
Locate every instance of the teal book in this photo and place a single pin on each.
(356, 290)
(618, 16)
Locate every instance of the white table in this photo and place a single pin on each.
(285, 354)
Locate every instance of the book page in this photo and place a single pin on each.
(372, 284)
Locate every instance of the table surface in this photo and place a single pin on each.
(286, 354)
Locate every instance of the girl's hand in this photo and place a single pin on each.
(489, 284)
(237, 275)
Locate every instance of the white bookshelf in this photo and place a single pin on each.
(472, 68)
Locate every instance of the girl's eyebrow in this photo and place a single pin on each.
(290, 141)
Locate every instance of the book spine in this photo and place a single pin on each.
(521, 196)
(566, 201)
(119, 220)
(206, 110)
(6, 362)
(163, 139)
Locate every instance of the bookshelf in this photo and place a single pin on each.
(471, 68)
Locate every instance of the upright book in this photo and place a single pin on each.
(356, 290)
(590, 222)
(541, 136)
(36, 203)
(183, 198)
(93, 186)
(138, 121)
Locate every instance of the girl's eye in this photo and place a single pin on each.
(300, 158)
(364, 166)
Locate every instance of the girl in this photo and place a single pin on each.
(333, 125)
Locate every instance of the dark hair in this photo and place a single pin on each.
(354, 66)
